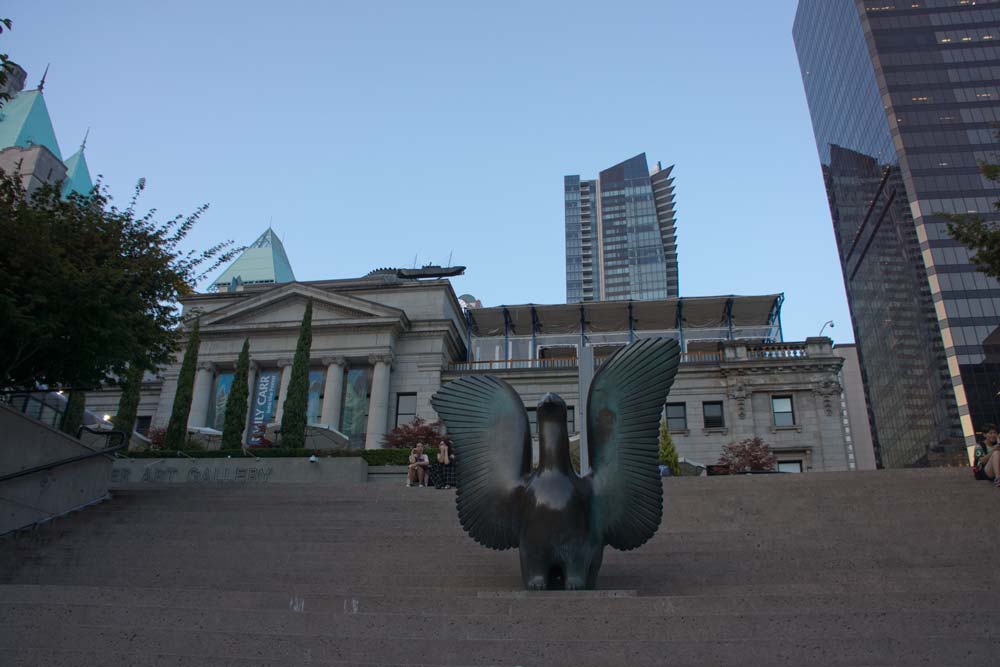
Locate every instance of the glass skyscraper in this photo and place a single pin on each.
(621, 242)
(903, 96)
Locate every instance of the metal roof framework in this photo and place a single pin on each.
(636, 316)
(686, 315)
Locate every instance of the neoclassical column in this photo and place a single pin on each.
(202, 394)
(286, 376)
(333, 391)
(251, 394)
(378, 406)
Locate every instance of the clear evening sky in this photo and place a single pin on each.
(375, 132)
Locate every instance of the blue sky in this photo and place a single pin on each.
(374, 132)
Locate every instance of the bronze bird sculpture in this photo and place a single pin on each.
(561, 521)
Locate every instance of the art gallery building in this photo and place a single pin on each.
(383, 344)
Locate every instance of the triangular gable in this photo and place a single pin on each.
(285, 304)
(25, 122)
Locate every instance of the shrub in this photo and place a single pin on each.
(293, 417)
(128, 404)
(236, 404)
(668, 453)
(752, 454)
(406, 436)
(157, 437)
(177, 426)
(73, 417)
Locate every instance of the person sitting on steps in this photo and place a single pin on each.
(444, 471)
(987, 456)
(419, 463)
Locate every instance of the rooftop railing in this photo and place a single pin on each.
(777, 351)
(756, 352)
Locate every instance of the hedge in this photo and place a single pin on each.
(374, 457)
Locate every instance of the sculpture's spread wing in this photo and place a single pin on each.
(623, 417)
(492, 443)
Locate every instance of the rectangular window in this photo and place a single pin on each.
(142, 425)
(790, 466)
(677, 419)
(533, 421)
(570, 419)
(406, 408)
(713, 414)
(781, 408)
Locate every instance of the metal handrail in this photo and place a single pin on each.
(62, 462)
(108, 435)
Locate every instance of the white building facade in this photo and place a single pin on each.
(384, 344)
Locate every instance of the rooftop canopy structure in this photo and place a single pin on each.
(263, 262)
(525, 331)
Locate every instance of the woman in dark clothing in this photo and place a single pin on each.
(445, 468)
(987, 456)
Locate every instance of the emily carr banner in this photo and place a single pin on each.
(263, 403)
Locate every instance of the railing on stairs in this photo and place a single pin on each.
(43, 406)
(66, 461)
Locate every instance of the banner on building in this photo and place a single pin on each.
(314, 407)
(223, 387)
(264, 396)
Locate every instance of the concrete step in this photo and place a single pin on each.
(491, 603)
(566, 626)
(506, 577)
(295, 647)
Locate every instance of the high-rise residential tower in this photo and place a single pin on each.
(620, 234)
(903, 96)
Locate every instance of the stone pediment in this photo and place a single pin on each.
(286, 305)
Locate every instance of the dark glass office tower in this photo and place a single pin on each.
(621, 242)
(903, 95)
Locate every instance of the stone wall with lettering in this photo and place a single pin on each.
(326, 471)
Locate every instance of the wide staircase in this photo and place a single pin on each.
(882, 568)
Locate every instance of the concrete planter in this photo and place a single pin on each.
(322, 472)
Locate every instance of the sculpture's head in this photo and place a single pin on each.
(553, 406)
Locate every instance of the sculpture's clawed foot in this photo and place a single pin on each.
(575, 584)
(536, 583)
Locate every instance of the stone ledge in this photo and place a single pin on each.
(520, 595)
(242, 471)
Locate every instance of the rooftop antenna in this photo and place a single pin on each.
(83, 144)
(41, 84)
(450, 253)
(414, 260)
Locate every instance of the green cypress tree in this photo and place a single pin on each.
(128, 404)
(236, 404)
(177, 427)
(73, 417)
(293, 417)
(668, 453)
